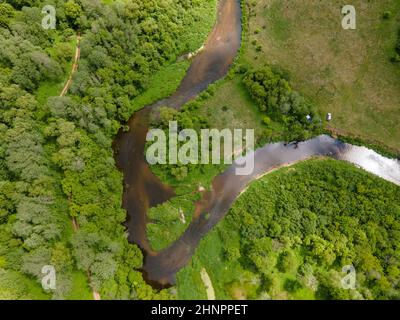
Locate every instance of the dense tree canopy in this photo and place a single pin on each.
(300, 226)
(275, 98)
(56, 159)
(60, 191)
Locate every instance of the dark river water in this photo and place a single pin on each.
(143, 190)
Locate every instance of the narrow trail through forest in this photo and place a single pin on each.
(75, 224)
(74, 66)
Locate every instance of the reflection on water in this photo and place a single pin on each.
(142, 189)
(373, 162)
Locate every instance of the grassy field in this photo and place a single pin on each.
(164, 83)
(80, 287)
(231, 107)
(345, 72)
(170, 220)
(211, 256)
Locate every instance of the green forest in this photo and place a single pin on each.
(287, 237)
(60, 190)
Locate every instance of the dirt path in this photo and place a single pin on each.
(74, 66)
(75, 225)
(208, 284)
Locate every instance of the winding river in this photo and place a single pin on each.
(143, 190)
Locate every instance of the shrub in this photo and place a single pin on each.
(387, 15)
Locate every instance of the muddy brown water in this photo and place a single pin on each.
(143, 190)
